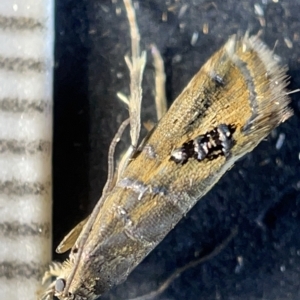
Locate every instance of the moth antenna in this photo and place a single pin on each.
(136, 67)
(111, 152)
(106, 189)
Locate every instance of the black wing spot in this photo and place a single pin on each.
(211, 145)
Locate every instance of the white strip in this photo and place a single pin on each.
(25, 86)
(25, 290)
(27, 252)
(24, 209)
(26, 44)
(39, 9)
(24, 126)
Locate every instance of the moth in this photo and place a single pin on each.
(228, 107)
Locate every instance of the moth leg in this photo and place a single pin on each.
(70, 239)
(160, 88)
(160, 83)
(136, 65)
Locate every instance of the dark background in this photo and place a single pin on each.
(260, 194)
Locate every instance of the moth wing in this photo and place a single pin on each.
(70, 239)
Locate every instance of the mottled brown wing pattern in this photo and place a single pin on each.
(240, 87)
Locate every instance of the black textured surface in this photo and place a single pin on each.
(260, 194)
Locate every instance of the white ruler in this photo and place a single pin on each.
(26, 62)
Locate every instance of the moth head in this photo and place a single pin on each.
(59, 290)
(57, 287)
